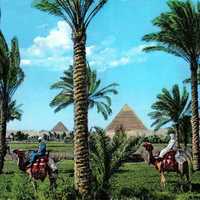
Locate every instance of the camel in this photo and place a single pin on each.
(39, 170)
(168, 164)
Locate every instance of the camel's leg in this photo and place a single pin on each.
(187, 174)
(162, 180)
(52, 179)
(35, 186)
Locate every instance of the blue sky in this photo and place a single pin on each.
(114, 48)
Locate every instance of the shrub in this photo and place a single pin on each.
(23, 189)
(153, 139)
(188, 196)
(107, 156)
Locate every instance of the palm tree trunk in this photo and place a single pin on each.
(177, 136)
(3, 147)
(195, 117)
(81, 147)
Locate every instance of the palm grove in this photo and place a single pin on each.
(178, 34)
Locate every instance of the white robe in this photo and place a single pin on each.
(170, 146)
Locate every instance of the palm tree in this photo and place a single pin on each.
(179, 34)
(14, 111)
(186, 130)
(78, 14)
(97, 97)
(107, 156)
(11, 76)
(188, 80)
(171, 107)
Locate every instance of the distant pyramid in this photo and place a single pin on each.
(127, 120)
(60, 128)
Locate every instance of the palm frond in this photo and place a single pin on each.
(97, 97)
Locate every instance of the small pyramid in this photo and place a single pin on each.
(127, 119)
(60, 128)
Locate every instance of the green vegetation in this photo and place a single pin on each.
(51, 146)
(111, 154)
(14, 111)
(133, 181)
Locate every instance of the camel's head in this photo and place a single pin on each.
(148, 146)
(19, 153)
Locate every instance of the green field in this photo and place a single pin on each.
(133, 181)
(51, 146)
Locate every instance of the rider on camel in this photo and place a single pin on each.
(39, 153)
(171, 146)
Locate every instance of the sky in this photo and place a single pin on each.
(114, 49)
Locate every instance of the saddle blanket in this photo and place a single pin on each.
(181, 156)
(40, 165)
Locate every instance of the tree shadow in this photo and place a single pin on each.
(9, 172)
(196, 187)
(122, 171)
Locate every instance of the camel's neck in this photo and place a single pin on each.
(151, 158)
(21, 163)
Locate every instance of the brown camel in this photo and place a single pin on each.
(39, 170)
(167, 164)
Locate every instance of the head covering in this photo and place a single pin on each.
(172, 136)
(40, 139)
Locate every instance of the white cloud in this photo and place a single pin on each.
(54, 51)
(103, 58)
(25, 62)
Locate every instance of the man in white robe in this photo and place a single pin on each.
(171, 146)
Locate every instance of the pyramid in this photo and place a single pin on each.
(126, 119)
(60, 128)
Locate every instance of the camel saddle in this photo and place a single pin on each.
(39, 167)
(169, 160)
(173, 157)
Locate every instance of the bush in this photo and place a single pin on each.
(133, 193)
(23, 189)
(188, 196)
(153, 139)
(138, 193)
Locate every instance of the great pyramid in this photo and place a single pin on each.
(60, 128)
(127, 120)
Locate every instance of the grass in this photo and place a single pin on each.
(51, 146)
(133, 181)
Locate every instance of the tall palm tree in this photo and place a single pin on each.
(97, 97)
(171, 107)
(179, 34)
(78, 14)
(11, 76)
